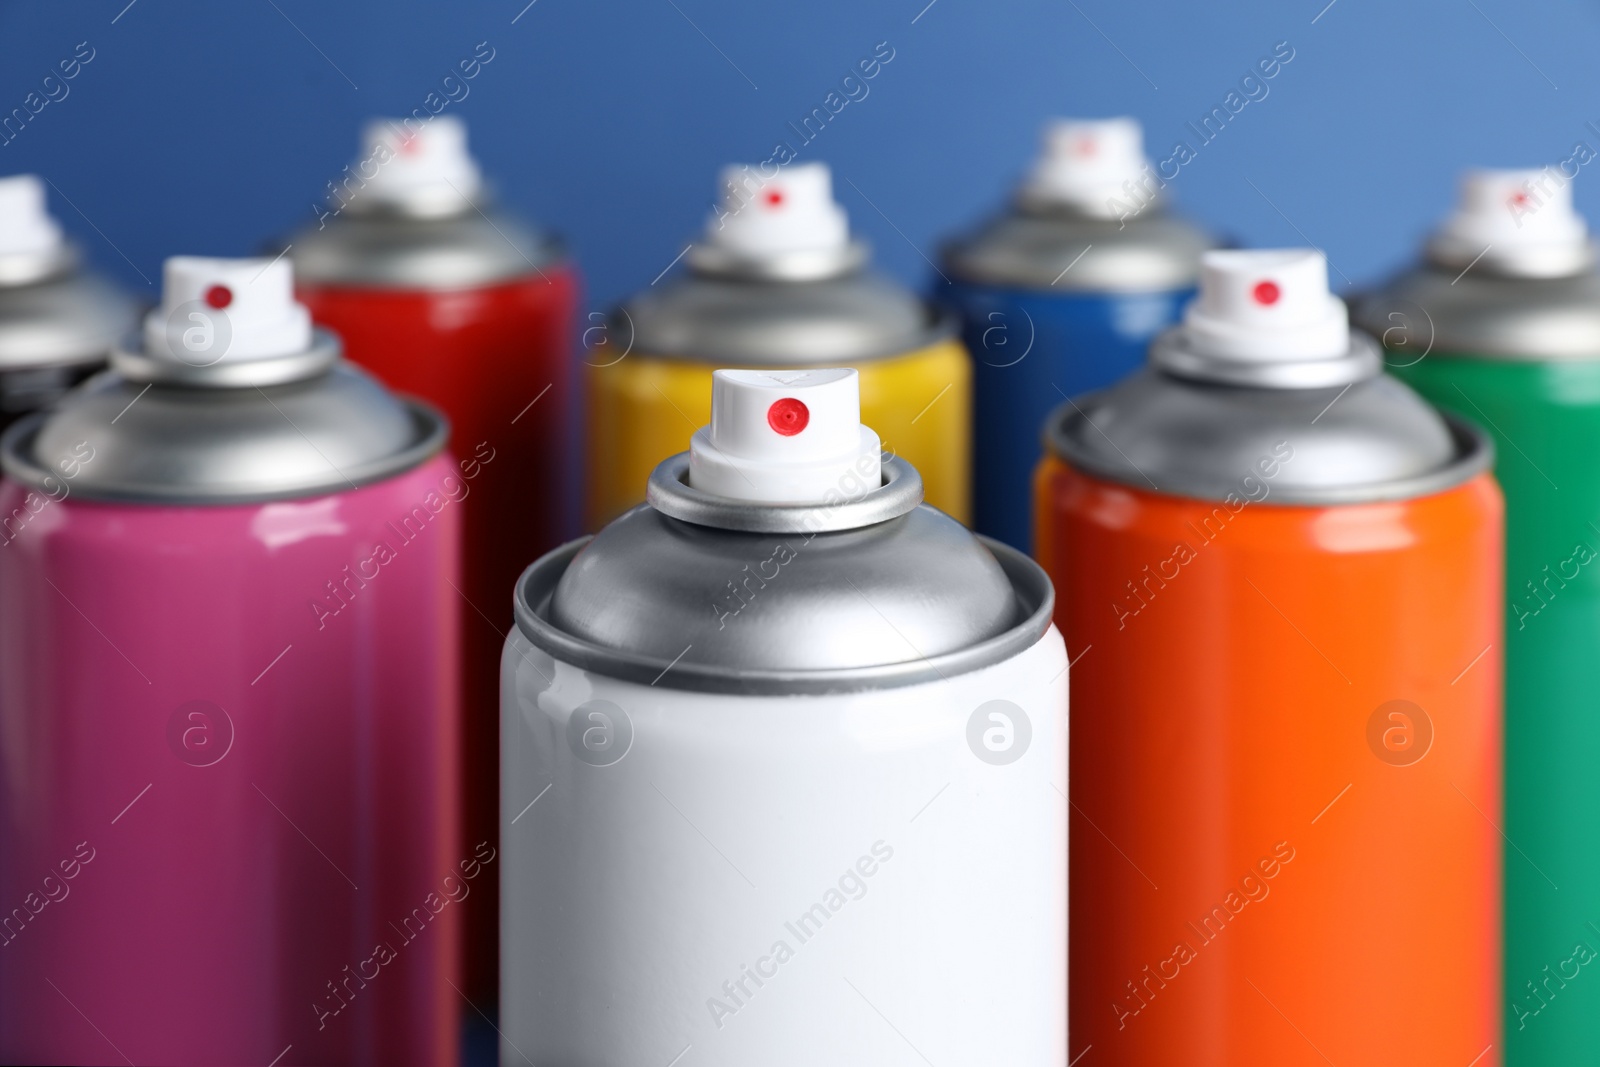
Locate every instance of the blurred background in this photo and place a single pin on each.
(208, 128)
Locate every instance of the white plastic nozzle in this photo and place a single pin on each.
(26, 226)
(792, 211)
(234, 310)
(1086, 161)
(403, 163)
(1511, 210)
(1269, 306)
(785, 437)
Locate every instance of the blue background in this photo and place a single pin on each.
(208, 127)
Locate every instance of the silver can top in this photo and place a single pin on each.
(230, 399)
(753, 321)
(416, 214)
(1069, 250)
(1265, 395)
(777, 281)
(387, 248)
(1509, 276)
(765, 564)
(1089, 217)
(62, 318)
(1434, 310)
(51, 313)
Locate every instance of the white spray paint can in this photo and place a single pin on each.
(784, 764)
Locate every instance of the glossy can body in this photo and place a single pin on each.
(1264, 868)
(641, 408)
(251, 795)
(497, 359)
(1546, 418)
(831, 886)
(1030, 348)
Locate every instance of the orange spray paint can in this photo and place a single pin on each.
(1280, 578)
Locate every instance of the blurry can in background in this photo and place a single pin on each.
(784, 766)
(57, 323)
(1061, 295)
(1279, 576)
(777, 283)
(445, 297)
(1501, 324)
(229, 722)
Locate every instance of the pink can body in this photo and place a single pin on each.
(229, 803)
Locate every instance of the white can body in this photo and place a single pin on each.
(848, 879)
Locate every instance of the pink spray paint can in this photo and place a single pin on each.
(229, 728)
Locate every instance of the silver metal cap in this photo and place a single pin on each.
(53, 316)
(385, 248)
(894, 594)
(1370, 439)
(1449, 253)
(762, 322)
(234, 433)
(1036, 248)
(1483, 314)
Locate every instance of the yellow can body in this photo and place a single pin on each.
(642, 409)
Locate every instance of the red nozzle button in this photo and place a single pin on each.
(219, 296)
(1267, 293)
(788, 416)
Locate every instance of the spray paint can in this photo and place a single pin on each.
(1060, 295)
(1501, 324)
(777, 282)
(447, 298)
(783, 765)
(229, 814)
(56, 322)
(1281, 570)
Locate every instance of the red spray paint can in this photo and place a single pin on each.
(447, 298)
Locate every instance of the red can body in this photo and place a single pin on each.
(1285, 775)
(497, 359)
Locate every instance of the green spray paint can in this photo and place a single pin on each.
(1501, 324)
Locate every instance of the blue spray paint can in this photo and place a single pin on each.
(1061, 295)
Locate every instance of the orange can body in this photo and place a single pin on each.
(1284, 775)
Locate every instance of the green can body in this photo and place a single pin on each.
(1545, 417)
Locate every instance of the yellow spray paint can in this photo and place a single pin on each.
(777, 283)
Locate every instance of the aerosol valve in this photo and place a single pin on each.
(233, 310)
(26, 227)
(792, 211)
(1503, 214)
(784, 437)
(1266, 306)
(417, 165)
(1086, 162)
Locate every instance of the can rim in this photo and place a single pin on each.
(1172, 352)
(538, 582)
(670, 493)
(432, 433)
(133, 363)
(1474, 455)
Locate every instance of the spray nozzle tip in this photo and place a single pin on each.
(760, 217)
(1271, 304)
(26, 226)
(1084, 162)
(215, 309)
(406, 163)
(784, 436)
